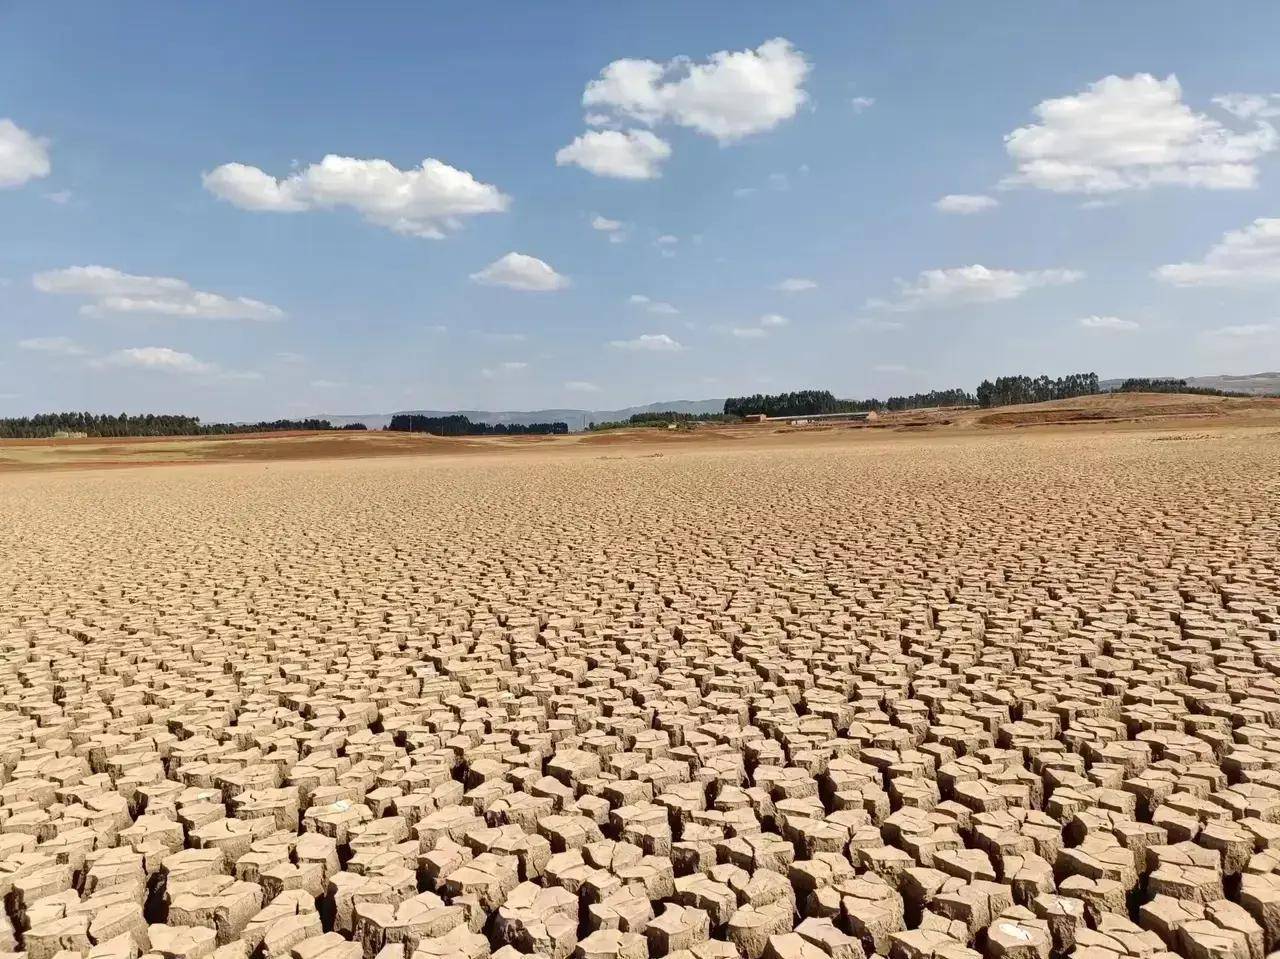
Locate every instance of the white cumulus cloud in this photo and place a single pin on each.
(517, 271)
(426, 201)
(862, 104)
(621, 154)
(728, 96)
(774, 320)
(112, 291)
(748, 332)
(23, 157)
(1112, 324)
(965, 203)
(581, 386)
(615, 230)
(962, 285)
(1124, 133)
(60, 345)
(1242, 258)
(650, 343)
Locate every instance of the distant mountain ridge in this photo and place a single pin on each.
(1247, 383)
(578, 419)
(1256, 383)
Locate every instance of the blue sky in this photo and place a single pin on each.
(1128, 227)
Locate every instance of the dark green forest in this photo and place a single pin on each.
(1140, 385)
(664, 418)
(811, 402)
(1004, 391)
(459, 425)
(44, 425)
(1011, 390)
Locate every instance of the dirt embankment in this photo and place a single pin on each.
(1122, 407)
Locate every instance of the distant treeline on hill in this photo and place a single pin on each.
(1004, 391)
(45, 425)
(663, 418)
(1011, 390)
(813, 402)
(1139, 385)
(459, 425)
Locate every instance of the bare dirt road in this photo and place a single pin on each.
(968, 689)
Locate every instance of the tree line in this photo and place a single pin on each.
(814, 402)
(458, 425)
(663, 418)
(1012, 390)
(45, 425)
(1003, 391)
(1169, 385)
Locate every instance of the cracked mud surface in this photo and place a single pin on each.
(1007, 696)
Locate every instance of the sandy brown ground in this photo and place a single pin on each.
(951, 691)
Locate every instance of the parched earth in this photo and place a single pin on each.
(1011, 696)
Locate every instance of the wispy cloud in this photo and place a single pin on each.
(795, 284)
(1249, 257)
(649, 343)
(964, 285)
(652, 306)
(965, 203)
(154, 358)
(504, 369)
(1112, 324)
(114, 292)
(58, 345)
